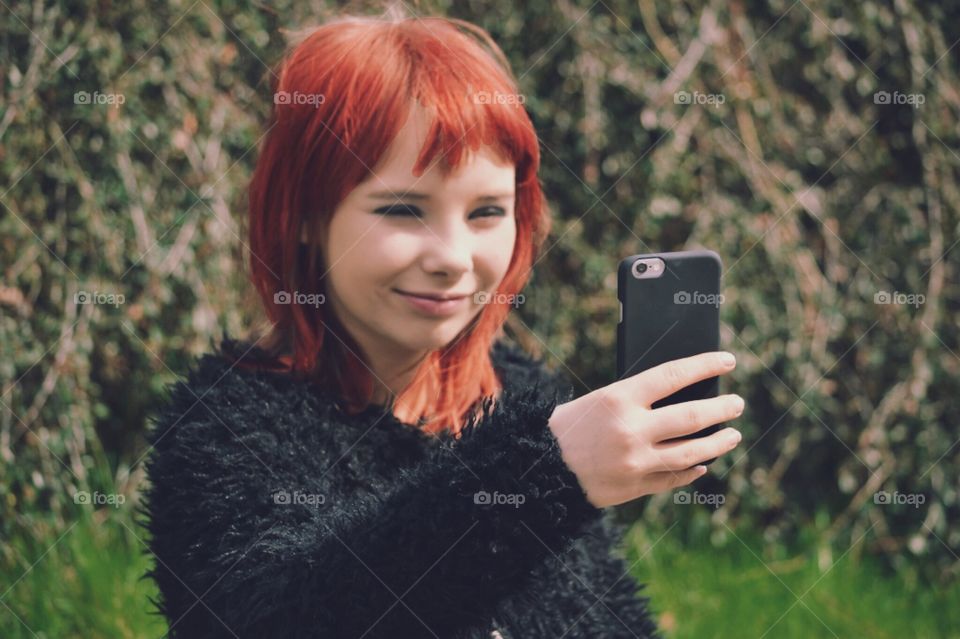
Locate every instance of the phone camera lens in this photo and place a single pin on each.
(645, 267)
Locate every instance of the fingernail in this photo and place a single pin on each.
(738, 435)
(728, 359)
(738, 403)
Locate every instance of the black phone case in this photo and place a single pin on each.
(665, 318)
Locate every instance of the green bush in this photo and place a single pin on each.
(754, 129)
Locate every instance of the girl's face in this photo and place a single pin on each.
(396, 235)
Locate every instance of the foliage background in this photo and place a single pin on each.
(816, 196)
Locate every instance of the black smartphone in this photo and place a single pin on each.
(670, 309)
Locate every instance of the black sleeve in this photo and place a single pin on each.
(431, 554)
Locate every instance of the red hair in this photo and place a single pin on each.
(316, 150)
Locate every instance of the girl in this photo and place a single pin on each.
(380, 464)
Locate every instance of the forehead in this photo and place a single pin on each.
(482, 168)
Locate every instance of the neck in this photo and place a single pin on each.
(392, 372)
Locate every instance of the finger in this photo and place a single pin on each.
(668, 479)
(687, 452)
(667, 378)
(685, 418)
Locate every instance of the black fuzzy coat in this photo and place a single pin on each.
(271, 513)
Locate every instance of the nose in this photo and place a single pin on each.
(448, 249)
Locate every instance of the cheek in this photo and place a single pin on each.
(502, 245)
(364, 253)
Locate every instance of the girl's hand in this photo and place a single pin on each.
(614, 442)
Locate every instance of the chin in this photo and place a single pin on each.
(438, 337)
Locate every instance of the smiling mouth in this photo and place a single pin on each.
(430, 296)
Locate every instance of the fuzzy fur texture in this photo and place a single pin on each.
(381, 534)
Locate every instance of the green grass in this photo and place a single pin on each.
(84, 585)
(88, 584)
(740, 589)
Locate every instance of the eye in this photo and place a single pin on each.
(490, 211)
(403, 210)
(399, 211)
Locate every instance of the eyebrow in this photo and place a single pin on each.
(414, 195)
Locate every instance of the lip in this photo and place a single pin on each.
(448, 305)
(433, 296)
